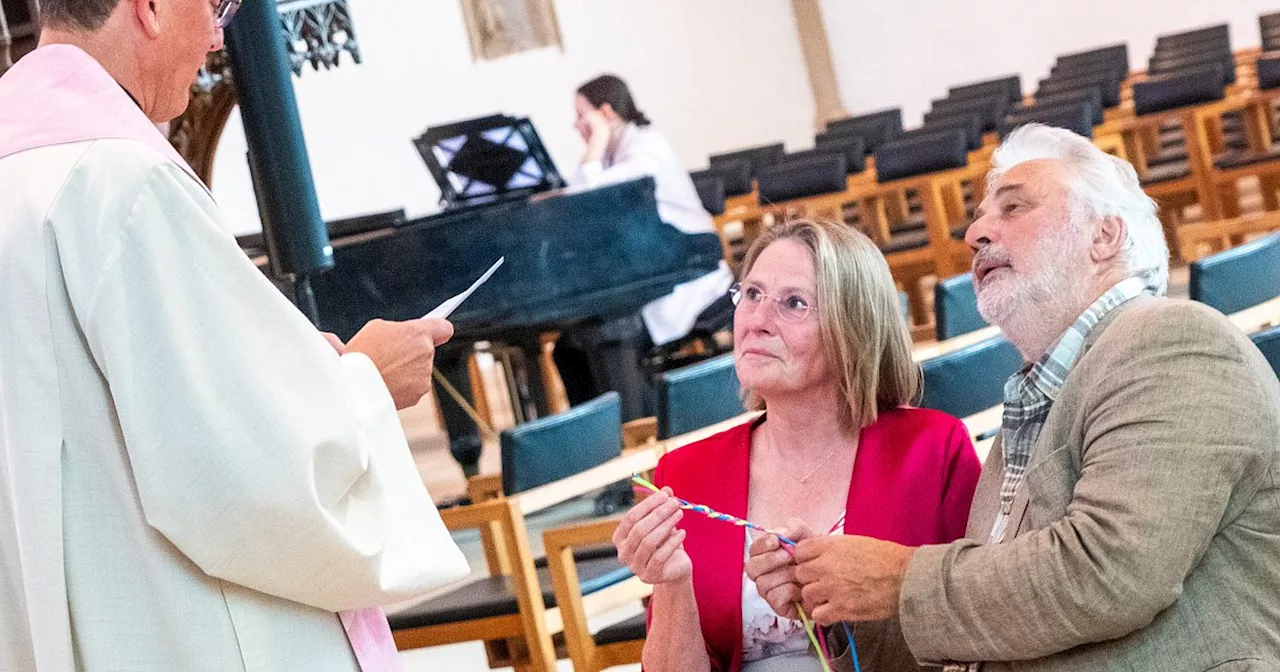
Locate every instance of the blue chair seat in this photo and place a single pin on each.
(698, 395)
(492, 596)
(1269, 343)
(630, 630)
(971, 379)
(1238, 278)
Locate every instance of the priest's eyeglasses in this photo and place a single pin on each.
(224, 11)
(791, 308)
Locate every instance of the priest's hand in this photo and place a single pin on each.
(404, 354)
(772, 568)
(851, 578)
(650, 544)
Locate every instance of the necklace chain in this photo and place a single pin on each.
(802, 479)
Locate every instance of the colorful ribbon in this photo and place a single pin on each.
(809, 627)
(713, 514)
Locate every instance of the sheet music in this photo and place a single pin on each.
(445, 309)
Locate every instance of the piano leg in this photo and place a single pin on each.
(614, 349)
(464, 436)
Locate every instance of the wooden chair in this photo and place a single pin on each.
(1217, 236)
(513, 609)
(623, 642)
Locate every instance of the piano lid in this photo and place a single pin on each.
(570, 257)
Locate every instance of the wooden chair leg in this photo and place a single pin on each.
(1270, 187)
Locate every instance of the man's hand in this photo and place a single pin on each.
(403, 353)
(772, 568)
(850, 578)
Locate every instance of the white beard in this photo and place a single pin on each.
(1027, 302)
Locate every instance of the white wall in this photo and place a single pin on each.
(907, 52)
(713, 75)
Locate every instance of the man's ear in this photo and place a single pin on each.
(148, 14)
(1108, 239)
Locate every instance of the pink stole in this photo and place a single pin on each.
(58, 95)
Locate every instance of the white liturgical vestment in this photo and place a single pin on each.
(190, 478)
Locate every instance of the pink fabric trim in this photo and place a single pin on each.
(58, 95)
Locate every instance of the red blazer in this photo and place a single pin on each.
(913, 482)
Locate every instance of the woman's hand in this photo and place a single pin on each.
(773, 569)
(649, 543)
(595, 131)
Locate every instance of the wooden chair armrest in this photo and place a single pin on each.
(587, 533)
(476, 515)
(678, 442)
(484, 487)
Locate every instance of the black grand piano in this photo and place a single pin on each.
(573, 259)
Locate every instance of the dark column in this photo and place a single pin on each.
(296, 238)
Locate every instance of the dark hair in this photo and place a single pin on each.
(76, 14)
(612, 90)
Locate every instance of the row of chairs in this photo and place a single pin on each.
(550, 460)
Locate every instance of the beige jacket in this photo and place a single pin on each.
(1146, 534)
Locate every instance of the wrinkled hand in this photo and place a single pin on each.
(404, 353)
(851, 578)
(649, 543)
(773, 569)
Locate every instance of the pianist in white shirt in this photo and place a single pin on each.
(621, 146)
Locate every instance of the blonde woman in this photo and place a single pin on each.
(821, 347)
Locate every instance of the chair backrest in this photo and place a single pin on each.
(756, 157)
(990, 108)
(893, 115)
(927, 153)
(1268, 342)
(1269, 71)
(1181, 62)
(968, 122)
(1218, 32)
(1187, 87)
(1075, 117)
(1269, 24)
(1090, 95)
(558, 446)
(955, 307)
(735, 174)
(695, 396)
(851, 147)
(1010, 85)
(971, 379)
(874, 131)
(1116, 56)
(1238, 278)
(1108, 85)
(822, 174)
(711, 192)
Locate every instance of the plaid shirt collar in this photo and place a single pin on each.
(1046, 377)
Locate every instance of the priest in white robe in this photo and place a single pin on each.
(191, 478)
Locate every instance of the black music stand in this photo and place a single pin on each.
(493, 158)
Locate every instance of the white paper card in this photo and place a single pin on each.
(445, 309)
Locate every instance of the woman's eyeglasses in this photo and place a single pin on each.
(224, 11)
(792, 308)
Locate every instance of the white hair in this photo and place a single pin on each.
(1102, 186)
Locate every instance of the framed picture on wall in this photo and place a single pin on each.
(503, 27)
